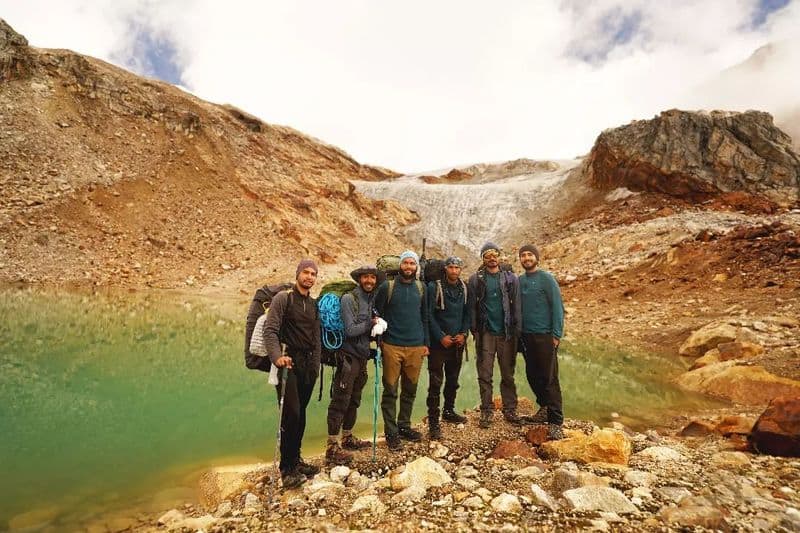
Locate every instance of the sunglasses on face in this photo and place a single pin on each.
(491, 255)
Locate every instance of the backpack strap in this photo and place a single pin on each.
(420, 288)
(439, 295)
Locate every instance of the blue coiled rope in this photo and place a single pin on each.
(330, 317)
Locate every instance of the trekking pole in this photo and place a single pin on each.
(284, 372)
(375, 399)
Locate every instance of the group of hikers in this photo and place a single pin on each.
(411, 320)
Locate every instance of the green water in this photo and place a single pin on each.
(107, 399)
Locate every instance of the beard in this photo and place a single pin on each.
(408, 276)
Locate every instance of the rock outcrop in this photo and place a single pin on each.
(777, 430)
(697, 155)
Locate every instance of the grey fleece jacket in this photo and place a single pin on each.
(357, 325)
(293, 319)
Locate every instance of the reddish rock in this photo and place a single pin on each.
(506, 449)
(734, 425)
(777, 430)
(537, 435)
(698, 428)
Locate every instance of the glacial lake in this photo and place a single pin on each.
(118, 400)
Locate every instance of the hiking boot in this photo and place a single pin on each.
(335, 455)
(555, 432)
(351, 442)
(307, 469)
(512, 419)
(394, 443)
(292, 479)
(486, 420)
(449, 415)
(434, 429)
(410, 434)
(539, 418)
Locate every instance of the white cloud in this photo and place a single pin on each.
(420, 85)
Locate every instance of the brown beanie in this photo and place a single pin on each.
(530, 248)
(304, 264)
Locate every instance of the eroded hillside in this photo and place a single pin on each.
(110, 178)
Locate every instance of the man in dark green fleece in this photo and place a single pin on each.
(401, 302)
(449, 321)
(542, 328)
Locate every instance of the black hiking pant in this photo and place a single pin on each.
(444, 365)
(293, 421)
(348, 383)
(541, 369)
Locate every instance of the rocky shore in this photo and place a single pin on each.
(700, 475)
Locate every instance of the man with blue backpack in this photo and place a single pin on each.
(351, 369)
(449, 321)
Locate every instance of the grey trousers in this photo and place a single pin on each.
(506, 352)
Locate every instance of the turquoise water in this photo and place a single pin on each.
(106, 399)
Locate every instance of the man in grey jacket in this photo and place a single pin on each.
(293, 321)
(495, 311)
(351, 368)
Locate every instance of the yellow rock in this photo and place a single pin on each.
(748, 385)
(720, 278)
(603, 446)
(708, 337)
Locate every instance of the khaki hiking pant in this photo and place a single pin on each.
(400, 364)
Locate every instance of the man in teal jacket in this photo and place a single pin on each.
(542, 329)
(401, 302)
(449, 321)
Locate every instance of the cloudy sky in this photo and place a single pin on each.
(420, 85)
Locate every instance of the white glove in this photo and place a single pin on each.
(379, 327)
(273, 375)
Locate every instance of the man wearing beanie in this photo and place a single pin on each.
(495, 312)
(293, 320)
(542, 328)
(401, 302)
(351, 372)
(449, 324)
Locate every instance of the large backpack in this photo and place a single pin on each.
(388, 267)
(330, 318)
(433, 270)
(258, 307)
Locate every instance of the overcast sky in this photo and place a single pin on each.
(421, 85)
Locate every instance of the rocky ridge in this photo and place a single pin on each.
(107, 178)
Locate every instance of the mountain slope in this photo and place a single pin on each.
(110, 178)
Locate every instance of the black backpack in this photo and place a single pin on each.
(261, 301)
(433, 270)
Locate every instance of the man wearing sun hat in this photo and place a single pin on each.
(351, 371)
(401, 302)
(495, 325)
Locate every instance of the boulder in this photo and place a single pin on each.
(696, 155)
(660, 454)
(698, 428)
(673, 494)
(414, 493)
(565, 479)
(598, 499)
(506, 449)
(729, 460)
(537, 435)
(744, 384)
(734, 425)
(339, 473)
(738, 350)
(777, 430)
(707, 338)
(693, 515)
(531, 472)
(370, 503)
(223, 482)
(506, 503)
(602, 446)
(710, 357)
(541, 498)
(474, 502)
(639, 478)
(423, 472)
